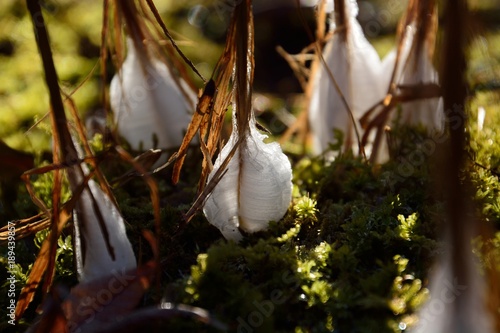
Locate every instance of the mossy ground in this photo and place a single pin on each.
(353, 252)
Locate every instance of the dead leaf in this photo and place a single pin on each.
(107, 299)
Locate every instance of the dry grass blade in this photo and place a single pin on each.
(407, 93)
(88, 152)
(212, 105)
(153, 187)
(211, 127)
(167, 33)
(384, 108)
(25, 227)
(115, 40)
(177, 62)
(147, 160)
(54, 235)
(64, 150)
(425, 13)
(61, 133)
(44, 169)
(257, 186)
(223, 73)
(297, 64)
(155, 246)
(202, 110)
(39, 269)
(343, 29)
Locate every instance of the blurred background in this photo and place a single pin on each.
(199, 26)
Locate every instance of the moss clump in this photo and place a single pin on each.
(350, 256)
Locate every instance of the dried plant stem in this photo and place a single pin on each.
(460, 227)
(64, 150)
(174, 44)
(210, 110)
(61, 133)
(454, 98)
(244, 65)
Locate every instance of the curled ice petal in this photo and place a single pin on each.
(93, 254)
(100, 248)
(256, 188)
(150, 109)
(356, 67)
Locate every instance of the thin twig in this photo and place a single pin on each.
(167, 33)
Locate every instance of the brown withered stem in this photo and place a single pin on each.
(460, 227)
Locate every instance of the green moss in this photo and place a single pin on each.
(353, 261)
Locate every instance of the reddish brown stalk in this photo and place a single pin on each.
(384, 108)
(61, 133)
(64, 150)
(244, 65)
(205, 102)
(39, 268)
(135, 27)
(243, 76)
(454, 99)
(118, 56)
(423, 15)
(460, 227)
(321, 16)
(212, 128)
(341, 19)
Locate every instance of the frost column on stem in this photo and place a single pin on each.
(152, 107)
(351, 62)
(101, 243)
(256, 187)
